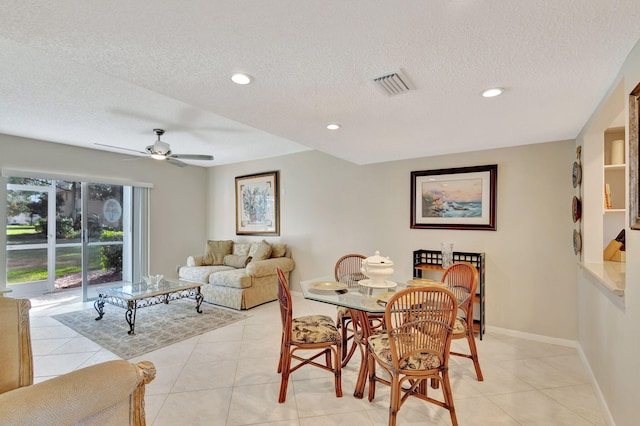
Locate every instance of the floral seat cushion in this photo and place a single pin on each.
(460, 327)
(379, 344)
(343, 312)
(314, 329)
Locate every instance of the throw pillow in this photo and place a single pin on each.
(241, 249)
(236, 261)
(215, 251)
(278, 250)
(260, 251)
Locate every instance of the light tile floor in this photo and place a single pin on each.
(228, 377)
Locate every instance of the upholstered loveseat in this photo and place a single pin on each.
(238, 275)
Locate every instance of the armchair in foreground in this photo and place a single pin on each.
(110, 393)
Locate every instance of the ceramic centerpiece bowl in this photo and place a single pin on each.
(377, 269)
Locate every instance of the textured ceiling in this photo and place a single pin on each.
(82, 72)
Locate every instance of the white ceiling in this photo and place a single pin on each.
(81, 72)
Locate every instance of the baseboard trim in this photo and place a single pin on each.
(599, 396)
(535, 337)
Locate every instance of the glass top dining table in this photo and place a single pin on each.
(361, 301)
(366, 299)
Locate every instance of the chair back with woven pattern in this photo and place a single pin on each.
(420, 321)
(463, 276)
(347, 269)
(286, 306)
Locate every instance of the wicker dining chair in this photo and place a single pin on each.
(463, 276)
(347, 270)
(414, 348)
(313, 332)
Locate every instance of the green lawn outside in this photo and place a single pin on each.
(24, 234)
(31, 264)
(20, 229)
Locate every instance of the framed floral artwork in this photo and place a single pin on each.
(258, 204)
(460, 198)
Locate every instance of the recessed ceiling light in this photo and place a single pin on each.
(494, 91)
(240, 78)
(333, 126)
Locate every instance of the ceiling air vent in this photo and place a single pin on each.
(393, 84)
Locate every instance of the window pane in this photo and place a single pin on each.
(26, 265)
(68, 267)
(26, 217)
(105, 263)
(69, 212)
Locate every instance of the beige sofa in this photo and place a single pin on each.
(238, 275)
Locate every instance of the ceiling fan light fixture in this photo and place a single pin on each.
(492, 92)
(161, 150)
(161, 147)
(241, 78)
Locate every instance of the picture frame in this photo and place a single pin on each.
(258, 204)
(634, 158)
(456, 198)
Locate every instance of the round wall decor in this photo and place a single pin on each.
(577, 174)
(577, 241)
(577, 209)
(577, 168)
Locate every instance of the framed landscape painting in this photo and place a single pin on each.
(258, 204)
(459, 198)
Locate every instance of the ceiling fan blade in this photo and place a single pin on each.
(192, 157)
(176, 162)
(119, 147)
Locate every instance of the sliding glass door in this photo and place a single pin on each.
(88, 244)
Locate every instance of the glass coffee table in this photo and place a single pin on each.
(140, 295)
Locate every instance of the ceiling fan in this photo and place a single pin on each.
(161, 150)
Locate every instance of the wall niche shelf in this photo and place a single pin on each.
(604, 193)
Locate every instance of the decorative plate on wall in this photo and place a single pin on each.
(577, 209)
(577, 174)
(577, 168)
(577, 241)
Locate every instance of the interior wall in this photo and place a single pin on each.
(330, 207)
(178, 206)
(608, 326)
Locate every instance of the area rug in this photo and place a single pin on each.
(156, 326)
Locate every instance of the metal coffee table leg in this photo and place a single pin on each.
(99, 306)
(130, 316)
(199, 299)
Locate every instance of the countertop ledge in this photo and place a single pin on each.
(611, 275)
